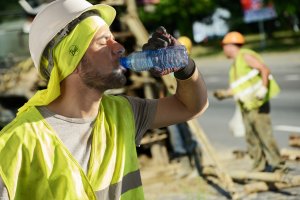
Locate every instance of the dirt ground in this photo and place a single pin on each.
(177, 180)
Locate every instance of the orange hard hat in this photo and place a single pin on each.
(233, 38)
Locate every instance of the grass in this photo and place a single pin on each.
(280, 41)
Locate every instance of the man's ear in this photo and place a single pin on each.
(79, 66)
(77, 69)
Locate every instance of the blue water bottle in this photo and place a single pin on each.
(160, 59)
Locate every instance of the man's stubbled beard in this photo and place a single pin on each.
(96, 80)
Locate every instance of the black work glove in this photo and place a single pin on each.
(160, 39)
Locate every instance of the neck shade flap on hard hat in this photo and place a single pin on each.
(62, 56)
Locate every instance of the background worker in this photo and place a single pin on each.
(72, 141)
(184, 40)
(252, 86)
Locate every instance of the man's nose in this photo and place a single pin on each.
(116, 47)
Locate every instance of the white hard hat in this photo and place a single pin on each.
(54, 17)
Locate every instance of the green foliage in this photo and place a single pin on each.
(290, 7)
(10, 10)
(6, 5)
(176, 14)
(180, 15)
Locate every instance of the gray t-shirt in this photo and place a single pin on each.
(75, 133)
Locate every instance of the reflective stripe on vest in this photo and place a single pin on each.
(251, 89)
(243, 79)
(114, 191)
(246, 81)
(35, 164)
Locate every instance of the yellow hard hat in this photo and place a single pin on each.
(186, 42)
(233, 38)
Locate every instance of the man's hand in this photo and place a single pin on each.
(160, 39)
(221, 94)
(261, 93)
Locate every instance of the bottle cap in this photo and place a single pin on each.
(124, 62)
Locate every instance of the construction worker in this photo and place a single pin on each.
(252, 86)
(184, 40)
(72, 141)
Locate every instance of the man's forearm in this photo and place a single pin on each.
(192, 93)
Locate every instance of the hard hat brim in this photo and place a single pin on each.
(106, 12)
(233, 37)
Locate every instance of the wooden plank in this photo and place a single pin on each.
(290, 154)
(220, 170)
(284, 179)
(294, 140)
(265, 181)
(263, 186)
(151, 138)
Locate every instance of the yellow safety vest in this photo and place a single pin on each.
(35, 164)
(245, 81)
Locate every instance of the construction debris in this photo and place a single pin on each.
(20, 79)
(264, 180)
(294, 140)
(290, 154)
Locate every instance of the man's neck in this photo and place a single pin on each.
(76, 103)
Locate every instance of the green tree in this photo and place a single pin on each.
(9, 9)
(177, 14)
(288, 12)
(290, 7)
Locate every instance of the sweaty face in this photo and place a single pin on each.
(99, 68)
